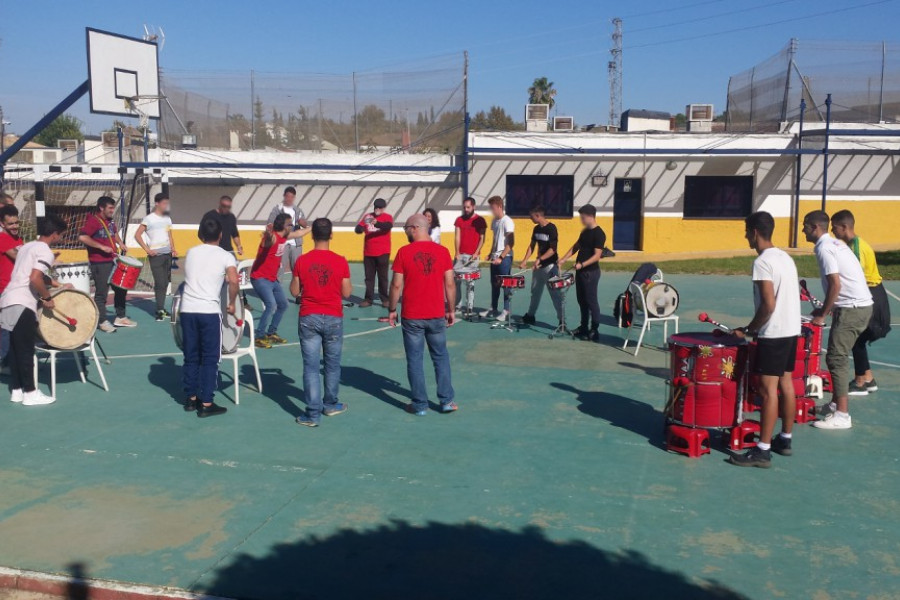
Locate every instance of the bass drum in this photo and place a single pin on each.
(232, 325)
(661, 299)
(71, 323)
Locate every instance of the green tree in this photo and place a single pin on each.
(261, 137)
(680, 122)
(496, 119)
(63, 127)
(542, 92)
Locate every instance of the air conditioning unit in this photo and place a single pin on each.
(537, 117)
(699, 112)
(563, 123)
(188, 141)
(67, 145)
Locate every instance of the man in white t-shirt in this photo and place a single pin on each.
(294, 247)
(19, 304)
(501, 257)
(849, 302)
(206, 268)
(776, 325)
(160, 249)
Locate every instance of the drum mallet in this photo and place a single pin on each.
(705, 318)
(806, 295)
(72, 322)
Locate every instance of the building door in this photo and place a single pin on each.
(628, 198)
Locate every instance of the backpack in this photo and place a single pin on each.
(623, 310)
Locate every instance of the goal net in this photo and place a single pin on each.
(72, 195)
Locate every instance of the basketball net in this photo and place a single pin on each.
(135, 104)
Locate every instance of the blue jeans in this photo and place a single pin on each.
(416, 333)
(321, 335)
(201, 336)
(272, 295)
(504, 268)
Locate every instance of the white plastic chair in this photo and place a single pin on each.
(242, 351)
(640, 308)
(76, 352)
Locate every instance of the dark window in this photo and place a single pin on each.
(556, 193)
(720, 197)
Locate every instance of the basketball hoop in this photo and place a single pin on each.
(141, 106)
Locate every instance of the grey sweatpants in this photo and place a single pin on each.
(846, 326)
(539, 279)
(161, 269)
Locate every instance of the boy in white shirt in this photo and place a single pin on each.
(160, 249)
(776, 325)
(501, 257)
(19, 304)
(849, 302)
(206, 268)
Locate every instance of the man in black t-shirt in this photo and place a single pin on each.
(589, 250)
(231, 239)
(544, 238)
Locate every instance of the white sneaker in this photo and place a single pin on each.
(37, 398)
(501, 318)
(106, 327)
(826, 409)
(17, 396)
(834, 421)
(124, 322)
(486, 314)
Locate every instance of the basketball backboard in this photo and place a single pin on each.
(124, 75)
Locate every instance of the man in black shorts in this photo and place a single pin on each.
(776, 325)
(589, 249)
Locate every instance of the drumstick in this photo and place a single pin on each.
(806, 295)
(705, 318)
(69, 319)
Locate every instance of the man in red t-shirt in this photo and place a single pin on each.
(9, 247)
(321, 283)
(423, 275)
(470, 234)
(376, 226)
(264, 278)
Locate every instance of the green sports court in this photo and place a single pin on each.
(550, 482)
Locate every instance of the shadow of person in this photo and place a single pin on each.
(660, 372)
(165, 374)
(619, 411)
(374, 384)
(77, 587)
(279, 387)
(401, 560)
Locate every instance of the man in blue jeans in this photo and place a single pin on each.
(423, 275)
(206, 268)
(321, 282)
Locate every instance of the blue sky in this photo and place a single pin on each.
(673, 55)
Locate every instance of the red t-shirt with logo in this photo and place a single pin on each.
(7, 242)
(268, 259)
(470, 232)
(378, 241)
(321, 274)
(423, 265)
(94, 228)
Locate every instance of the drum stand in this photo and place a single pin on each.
(469, 313)
(561, 329)
(508, 324)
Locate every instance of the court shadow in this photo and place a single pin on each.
(402, 560)
(626, 413)
(279, 388)
(165, 374)
(659, 372)
(374, 384)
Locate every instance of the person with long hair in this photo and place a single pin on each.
(434, 224)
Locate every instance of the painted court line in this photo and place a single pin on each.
(892, 294)
(884, 364)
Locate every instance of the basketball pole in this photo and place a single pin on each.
(38, 127)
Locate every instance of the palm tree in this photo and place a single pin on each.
(542, 92)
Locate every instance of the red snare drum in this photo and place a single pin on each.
(561, 282)
(514, 282)
(715, 368)
(126, 272)
(468, 275)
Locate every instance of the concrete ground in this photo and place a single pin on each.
(550, 481)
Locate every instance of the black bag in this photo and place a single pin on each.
(880, 323)
(623, 310)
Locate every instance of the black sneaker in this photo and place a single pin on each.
(781, 445)
(872, 386)
(580, 333)
(190, 404)
(754, 457)
(859, 390)
(594, 336)
(528, 319)
(160, 315)
(212, 410)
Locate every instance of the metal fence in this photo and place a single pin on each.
(416, 108)
(862, 77)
